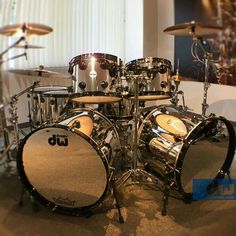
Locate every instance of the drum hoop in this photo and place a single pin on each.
(48, 94)
(99, 114)
(150, 93)
(40, 198)
(50, 88)
(140, 130)
(153, 59)
(186, 144)
(98, 55)
(95, 93)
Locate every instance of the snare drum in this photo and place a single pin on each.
(46, 103)
(95, 78)
(186, 146)
(66, 166)
(153, 76)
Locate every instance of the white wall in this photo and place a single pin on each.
(133, 30)
(221, 99)
(158, 15)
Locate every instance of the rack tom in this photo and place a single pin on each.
(153, 78)
(95, 78)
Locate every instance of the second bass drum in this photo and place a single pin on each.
(186, 145)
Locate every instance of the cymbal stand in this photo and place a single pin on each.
(175, 100)
(3, 127)
(14, 119)
(135, 173)
(207, 58)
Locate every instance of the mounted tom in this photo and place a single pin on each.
(95, 78)
(154, 78)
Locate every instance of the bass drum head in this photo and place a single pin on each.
(63, 170)
(208, 156)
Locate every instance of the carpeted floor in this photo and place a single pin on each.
(141, 209)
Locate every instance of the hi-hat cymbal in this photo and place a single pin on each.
(193, 29)
(27, 29)
(38, 72)
(28, 46)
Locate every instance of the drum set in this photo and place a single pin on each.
(88, 139)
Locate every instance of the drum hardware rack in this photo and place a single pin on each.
(136, 173)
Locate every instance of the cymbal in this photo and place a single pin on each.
(38, 72)
(28, 46)
(28, 29)
(193, 29)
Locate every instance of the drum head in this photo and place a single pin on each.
(62, 169)
(96, 99)
(171, 124)
(85, 124)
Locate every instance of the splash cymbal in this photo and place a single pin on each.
(27, 29)
(193, 29)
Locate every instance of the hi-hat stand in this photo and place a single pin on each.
(7, 144)
(14, 120)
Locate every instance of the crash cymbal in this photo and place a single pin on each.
(38, 72)
(193, 29)
(27, 29)
(28, 46)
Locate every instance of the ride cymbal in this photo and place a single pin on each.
(27, 29)
(193, 29)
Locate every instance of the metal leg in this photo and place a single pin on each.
(34, 204)
(113, 184)
(20, 203)
(166, 191)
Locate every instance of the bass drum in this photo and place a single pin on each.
(186, 145)
(67, 167)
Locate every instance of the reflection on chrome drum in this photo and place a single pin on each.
(153, 78)
(186, 146)
(95, 77)
(46, 103)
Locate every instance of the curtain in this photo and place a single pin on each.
(79, 26)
